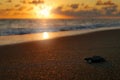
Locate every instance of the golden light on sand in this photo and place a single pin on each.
(43, 12)
(45, 35)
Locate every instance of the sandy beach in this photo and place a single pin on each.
(63, 58)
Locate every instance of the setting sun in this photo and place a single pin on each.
(44, 12)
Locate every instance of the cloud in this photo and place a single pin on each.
(93, 12)
(6, 11)
(14, 12)
(86, 6)
(17, 5)
(21, 14)
(110, 10)
(21, 8)
(78, 6)
(36, 2)
(58, 10)
(82, 4)
(85, 10)
(74, 6)
(9, 1)
(109, 3)
(100, 2)
(23, 1)
(102, 8)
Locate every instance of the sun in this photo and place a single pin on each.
(43, 12)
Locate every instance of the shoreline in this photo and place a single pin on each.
(16, 39)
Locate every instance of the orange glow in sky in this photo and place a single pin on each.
(44, 12)
(58, 8)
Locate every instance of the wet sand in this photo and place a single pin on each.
(63, 58)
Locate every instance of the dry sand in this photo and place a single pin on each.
(63, 58)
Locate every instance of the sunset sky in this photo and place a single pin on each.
(59, 8)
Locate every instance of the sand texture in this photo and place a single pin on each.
(63, 58)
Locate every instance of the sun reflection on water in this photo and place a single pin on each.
(45, 35)
(13, 39)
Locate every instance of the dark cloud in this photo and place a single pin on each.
(36, 2)
(79, 13)
(21, 8)
(99, 2)
(21, 14)
(109, 2)
(77, 6)
(9, 1)
(86, 6)
(110, 10)
(74, 6)
(82, 4)
(23, 1)
(58, 10)
(11, 11)
(17, 5)
(8, 9)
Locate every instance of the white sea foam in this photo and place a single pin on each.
(20, 27)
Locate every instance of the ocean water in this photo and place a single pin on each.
(13, 31)
(28, 26)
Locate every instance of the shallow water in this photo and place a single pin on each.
(13, 39)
